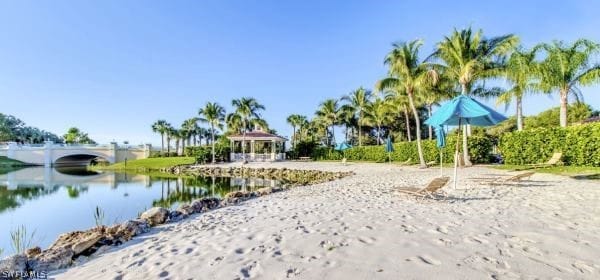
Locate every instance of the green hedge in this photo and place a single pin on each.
(579, 144)
(480, 148)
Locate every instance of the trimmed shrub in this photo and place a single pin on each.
(480, 148)
(580, 145)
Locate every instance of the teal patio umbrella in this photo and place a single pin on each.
(440, 136)
(342, 147)
(389, 148)
(464, 110)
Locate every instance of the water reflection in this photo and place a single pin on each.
(54, 201)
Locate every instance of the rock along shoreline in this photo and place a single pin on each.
(75, 247)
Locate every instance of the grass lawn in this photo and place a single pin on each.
(577, 172)
(148, 164)
(8, 165)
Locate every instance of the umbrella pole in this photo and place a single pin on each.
(441, 163)
(456, 155)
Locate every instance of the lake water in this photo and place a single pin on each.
(54, 201)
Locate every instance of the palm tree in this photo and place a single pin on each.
(566, 68)
(190, 126)
(247, 113)
(170, 132)
(521, 71)
(358, 100)
(443, 89)
(398, 102)
(406, 70)
(377, 115)
(161, 127)
(214, 115)
(329, 113)
(469, 57)
(296, 121)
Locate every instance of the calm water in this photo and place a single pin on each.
(54, 201)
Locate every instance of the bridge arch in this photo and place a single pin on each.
(79, 158)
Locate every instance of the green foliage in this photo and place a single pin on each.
(303, 149)
(99, 216)
(579, 144)
(14, 129)
(149, 164)
(75, 136)
(480, 148)
(20, 240)
(202, 154)
(550, 118)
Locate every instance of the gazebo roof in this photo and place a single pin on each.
(257, 135)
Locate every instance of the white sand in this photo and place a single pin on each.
(359, 228)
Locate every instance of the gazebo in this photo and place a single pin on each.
(259, 146)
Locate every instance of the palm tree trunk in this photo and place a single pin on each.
(168, 145)
(244, 142)
(213, 142)
(418, 125)
(519, 113)
(407, 124)
(564, 102)
(466, 157)
(378, 134)
(333, 133)
(430, 127)
(294, 137)
(182, 146)
(162, 143)
(359, 128)
(177, 146)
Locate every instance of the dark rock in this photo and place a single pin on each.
(15, 263)
(197, 205)
(52, 259)
(175, 216)
(155, 216)
(32, 252)
(186, 209)
(131, 228)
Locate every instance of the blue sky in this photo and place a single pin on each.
(112, 68)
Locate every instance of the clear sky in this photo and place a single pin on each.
(112, 68)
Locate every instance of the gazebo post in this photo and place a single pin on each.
(273, 148)
(252, 151)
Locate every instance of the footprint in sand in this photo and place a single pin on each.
(250, 270)
(582, 267)
(367, 240)
(425, 259)
(292, 272)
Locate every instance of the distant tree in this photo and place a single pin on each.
(296, 121)
(214, 115)
(161, 127)
(566, 67)
(521, 72)
(378, 115)
(329, 113)
(75, 136)
(246, 114)
(357, 102)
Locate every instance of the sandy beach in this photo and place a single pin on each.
(358, 227)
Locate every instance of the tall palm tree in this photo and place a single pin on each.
(567, 67)
(469, 57)
(170, 133)
(377, 115)
(443, 89)
(521, 73)
(246, 113)
(214, 115)
(161, 127)
(329, 113)
(408, 71)
(358, 100)
(190, 126)
(398, 102)
(295, 121)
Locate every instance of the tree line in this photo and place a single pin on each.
(464, 62)
(246, 115)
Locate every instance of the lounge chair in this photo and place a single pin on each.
(514, 179)
(553, 161)
(433, 187)
(407, 162)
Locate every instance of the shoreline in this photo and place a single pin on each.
(357, 227)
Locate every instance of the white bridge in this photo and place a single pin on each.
(50, 154)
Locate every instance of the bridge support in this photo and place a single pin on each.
(48, 153)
